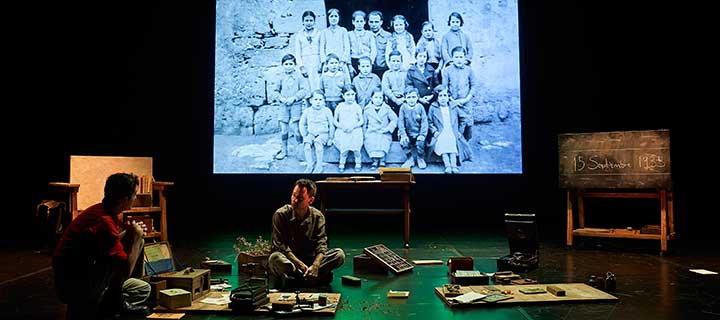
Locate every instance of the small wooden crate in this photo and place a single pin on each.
(197, 281)
(156, 287)
(252, 265)
(175, 298)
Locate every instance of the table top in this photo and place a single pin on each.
(369, 182)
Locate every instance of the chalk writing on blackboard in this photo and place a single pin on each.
(625, 159)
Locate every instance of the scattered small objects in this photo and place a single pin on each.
(350, 280)
(452, 290)
(166, 316)
(504, 277)
(398, 294)
(460, 263)
(610, 281)
(283, 306)
(468, 297)
(533, 290)
(556, 291)
(427, 262)
(523, 281)
(496, 297)
(387, 257)
(703, 271)
(216, 265)
(469, 277)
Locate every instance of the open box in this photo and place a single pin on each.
(160, 267)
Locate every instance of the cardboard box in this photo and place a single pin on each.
(175, 298)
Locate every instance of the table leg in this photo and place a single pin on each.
(671, 216)
(581, 211)
(663, 222)
(569, 218)
(406, 204)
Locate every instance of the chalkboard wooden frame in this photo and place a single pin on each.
(615, 160)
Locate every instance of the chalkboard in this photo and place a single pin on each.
(620, 159)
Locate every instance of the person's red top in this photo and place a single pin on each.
(92, 235)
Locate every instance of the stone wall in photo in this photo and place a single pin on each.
(493, 28)
(251, 38)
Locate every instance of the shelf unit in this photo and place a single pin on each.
(158, 210)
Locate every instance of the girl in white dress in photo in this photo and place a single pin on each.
(443, 122)
(348, 133)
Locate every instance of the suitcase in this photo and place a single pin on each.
(522, 234)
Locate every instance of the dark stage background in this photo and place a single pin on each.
(135, 79)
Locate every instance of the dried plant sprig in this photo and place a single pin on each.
(259, 248)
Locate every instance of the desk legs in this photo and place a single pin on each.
(406, 210)
(663, 222)
(406, 207)
(322, 203)
(671, 218)
(163, 215)
(569, 212)
(73, 204)
(581, 211)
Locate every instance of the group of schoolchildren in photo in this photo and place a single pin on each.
(424, 91)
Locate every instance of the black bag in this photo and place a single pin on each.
(522, 236)
(52, 219)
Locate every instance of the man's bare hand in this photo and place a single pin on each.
(302, 267)
(312, 271)
(136, 227)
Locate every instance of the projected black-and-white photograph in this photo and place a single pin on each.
(348, 87)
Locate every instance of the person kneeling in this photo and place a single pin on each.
(96, 266)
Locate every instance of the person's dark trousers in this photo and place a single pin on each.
(82, 286)
(114, 300)
(92, 288)
(396, 109)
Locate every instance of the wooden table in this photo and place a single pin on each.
(667, 219)
(327, 186)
